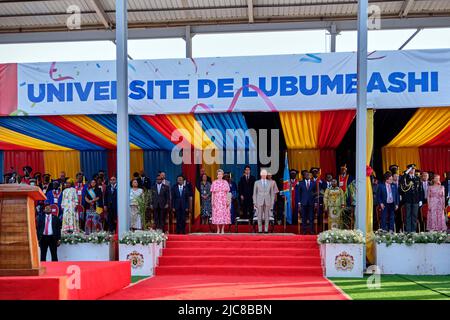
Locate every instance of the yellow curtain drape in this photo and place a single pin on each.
(96, 129)
(303, 159)
(426, 124)
(19, 139)
(369, 205)
(136, 161)
(197, 136)
(197, 204)
(57, 161)
(301, 129)
(400, 156)
(211, 170)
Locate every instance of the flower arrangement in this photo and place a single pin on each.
(143, 237)
(409, 239)
(341, 236)
(81, 237)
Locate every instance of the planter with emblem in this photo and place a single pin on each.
(341, 253)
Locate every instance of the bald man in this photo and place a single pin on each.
(263, 198)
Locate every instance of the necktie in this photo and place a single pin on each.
(181, 190)
(47, 221)
(159, 188)
(307, 184)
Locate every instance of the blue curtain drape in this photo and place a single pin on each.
(142, 133)
(40, 129)
(155, 161)
(224, 121)
(93, 161)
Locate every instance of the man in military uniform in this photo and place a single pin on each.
(411, 190)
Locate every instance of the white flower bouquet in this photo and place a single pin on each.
(341, 236)
(81, 237)
(143, 237)
(409, 239)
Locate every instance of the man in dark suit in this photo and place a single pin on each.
(160, 202)
(319, 190)
(388, 199)
(180, 204)
(447, 188)
(245, 189)
(111, 204)
(49, 234)
(145, 181)
(411, 189)
(305, 192)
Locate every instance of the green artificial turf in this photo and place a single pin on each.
(137, 278)
(397, 287)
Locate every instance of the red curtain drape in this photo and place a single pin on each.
(111, 162)
(18, 159)
(442, 139)
(162, 124)
(12, 147)
(328, 162)
(333, 127)
(435, 159)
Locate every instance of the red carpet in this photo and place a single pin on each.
(236, 267)
(97, 279)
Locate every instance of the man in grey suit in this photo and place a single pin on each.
(263, 198)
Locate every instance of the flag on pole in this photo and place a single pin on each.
(287, 192)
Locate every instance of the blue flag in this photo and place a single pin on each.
(287, 192)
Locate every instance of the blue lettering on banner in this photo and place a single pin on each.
(225, 88)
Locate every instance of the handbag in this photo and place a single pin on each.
(99, 210)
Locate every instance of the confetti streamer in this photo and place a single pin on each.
(204, 106)
(260, 93)
(374, 58)
(311, 58)
(195, 64)
(59, 78)
(98, 66)
(22, 84)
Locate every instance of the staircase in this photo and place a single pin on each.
(240, 255)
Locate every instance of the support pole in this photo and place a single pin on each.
(361, 120)
(188, 39)
(333, 34)
(123, 145)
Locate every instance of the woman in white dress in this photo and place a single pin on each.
(135, 194)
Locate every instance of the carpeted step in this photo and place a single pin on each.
(244, 271)
(238, 261)
(242, 244)
(238, 237)
(278, 252)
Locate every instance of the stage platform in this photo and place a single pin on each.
(60, 282)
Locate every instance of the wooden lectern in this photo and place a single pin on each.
(19, 254)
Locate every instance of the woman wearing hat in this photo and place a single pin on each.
(69, 202)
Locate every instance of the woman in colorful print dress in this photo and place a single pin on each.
(69, 203)
(220, 207)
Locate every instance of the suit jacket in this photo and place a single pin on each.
(446, 187)
(422, 192)
(382, 194)
(111, 197)
(180, 202)
(305, 195)
(246, 188)
(263, 194)
(162, 199)
(145, 183)
(56, 226)
(410, 189)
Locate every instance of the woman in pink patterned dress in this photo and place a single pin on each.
(436, 206)
(220, 209)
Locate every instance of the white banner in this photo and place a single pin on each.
(396, 79)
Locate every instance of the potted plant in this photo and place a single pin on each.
(143, 205)
(424, 253)
(78, 246)
(342, 253)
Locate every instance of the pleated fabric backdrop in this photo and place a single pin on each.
(57, 161)
(155, 161)
(15, 160)
(93, 161)
(1, 166)
(424, 140)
